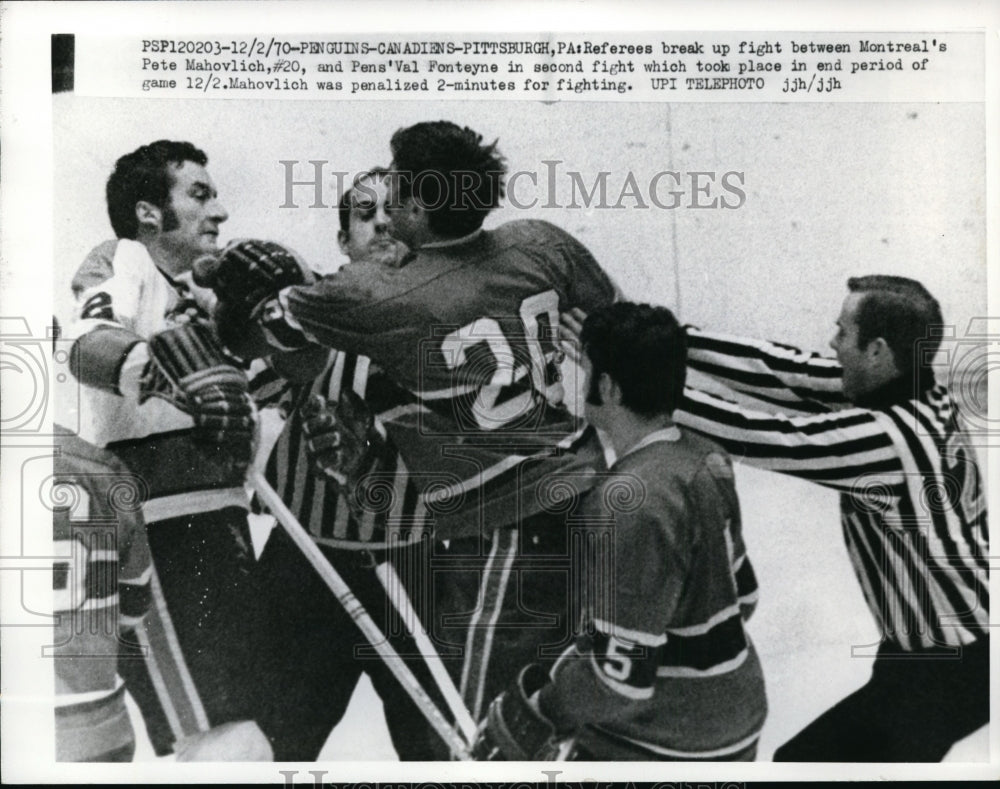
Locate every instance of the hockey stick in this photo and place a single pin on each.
(357, 612)
(401, 602)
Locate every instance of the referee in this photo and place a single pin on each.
(315, 652)
(875, 426)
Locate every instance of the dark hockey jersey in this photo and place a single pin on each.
(664, 667)
(468, 331)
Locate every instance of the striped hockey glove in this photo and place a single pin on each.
(341, 440)
(189, 368)
(246, 276)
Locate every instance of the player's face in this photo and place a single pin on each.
(403, 222)
(368, 239)
(853, 360)
(190, 223)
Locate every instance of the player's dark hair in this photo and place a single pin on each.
(644, 350)
(903, 313)
(344, 206)
(145, 174)
(449, 170)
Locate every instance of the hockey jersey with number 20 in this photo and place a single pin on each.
(468, 330)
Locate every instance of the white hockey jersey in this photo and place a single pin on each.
(152, 437)
(140, 298)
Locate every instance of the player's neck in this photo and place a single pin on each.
(629, 429)
(165, 261)
(425, 237)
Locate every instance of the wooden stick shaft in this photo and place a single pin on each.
(357, 612)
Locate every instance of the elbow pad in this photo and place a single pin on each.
(96, 357)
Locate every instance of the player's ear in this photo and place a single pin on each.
(416, 209)
(879, 353)
(610, 391)
(148, 216)
(342, 239)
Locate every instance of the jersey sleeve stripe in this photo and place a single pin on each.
(721, 643)
(759, 400)
(658, 750)
(629, 634)
(776, 356)
(726, 614)
(717, 408)
(88, 701)
(284, 323)
(814, 448)
(692, 672)
(742, 379)
(767, 370)
(140, 580)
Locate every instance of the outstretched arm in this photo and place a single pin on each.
(838, 450)
(269, 300)
(772, 372)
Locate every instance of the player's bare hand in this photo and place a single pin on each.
(570, 326)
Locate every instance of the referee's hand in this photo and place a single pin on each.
(570, 326)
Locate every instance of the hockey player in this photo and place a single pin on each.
(467, 326)
(665, 669)
(161, 396)
(97, 526)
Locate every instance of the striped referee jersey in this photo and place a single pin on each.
(392, 503)
(912, 503)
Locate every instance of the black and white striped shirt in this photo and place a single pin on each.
(912, 502)
(391, 504)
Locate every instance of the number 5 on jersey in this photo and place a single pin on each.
(629, 668)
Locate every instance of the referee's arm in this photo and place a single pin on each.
(776, 374)
(835, 449)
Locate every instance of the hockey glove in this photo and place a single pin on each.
(188, 367)
(514, 730)
(341, 440)
(247, 277)
(248, 272)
